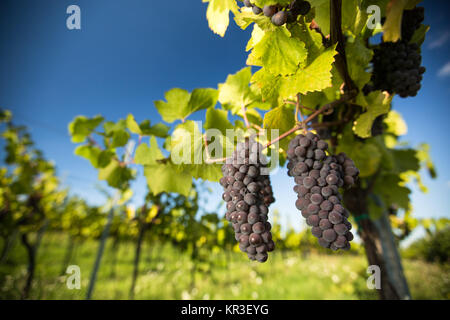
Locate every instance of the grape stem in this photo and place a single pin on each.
(314, 26)
(208, 159)
(298, 126)
(299, 112)
(295, 103)
(244, 116)
(323, 109)
(257, 127)
(93, 142)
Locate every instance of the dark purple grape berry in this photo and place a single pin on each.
(269, 11)
(279, 18)
(257, 10)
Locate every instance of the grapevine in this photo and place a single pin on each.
(319, 92)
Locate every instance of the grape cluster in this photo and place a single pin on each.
(396, 68)
(280, 15)
(248, 194)
(318, 177)
(411, 21)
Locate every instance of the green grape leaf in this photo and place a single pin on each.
(125, 196)
(202, 99)
(5, 115)
(218, 14)
(257, 35)
(419, 35)
(246, 17)
(159, 130)
(262, 3)
(378, 103)
(367, 158)
(313, 99)
(405, 160)
(395, 124)
(132, 125)
(281, 118)
(111, 127)
(358, 59)
(376, 206)
(423, 154)
(81, 127)
(236, 91)
(393, 24)
(269, 86)
(366, 155)
(104, 158)
(210, 172)
(349, 13)
(354, 16)
(187, 151)
(167, 178)
(146, 155)
(116, 176)
(180, 103)
(217, 119)
(390, 188)
(186, 144)
(387, 161)
(280, 53)
(322, 17)
(315, 77)
(90, 153)
(311, 39)
(174, 108)
(145, 127)
(120, 138)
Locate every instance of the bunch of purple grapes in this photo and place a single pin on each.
(318, 177)
(397, 65)
(396, 68)
(280, 15)
(248, 195)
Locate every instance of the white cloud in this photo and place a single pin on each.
(444, 71)
(439, 42)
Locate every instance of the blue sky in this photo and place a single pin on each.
(129, 53)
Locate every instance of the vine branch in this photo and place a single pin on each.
(244, 116)
(323, 109)
(298, 126)
(298, 112)
(338, 38)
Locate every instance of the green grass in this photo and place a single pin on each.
(166, 273)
